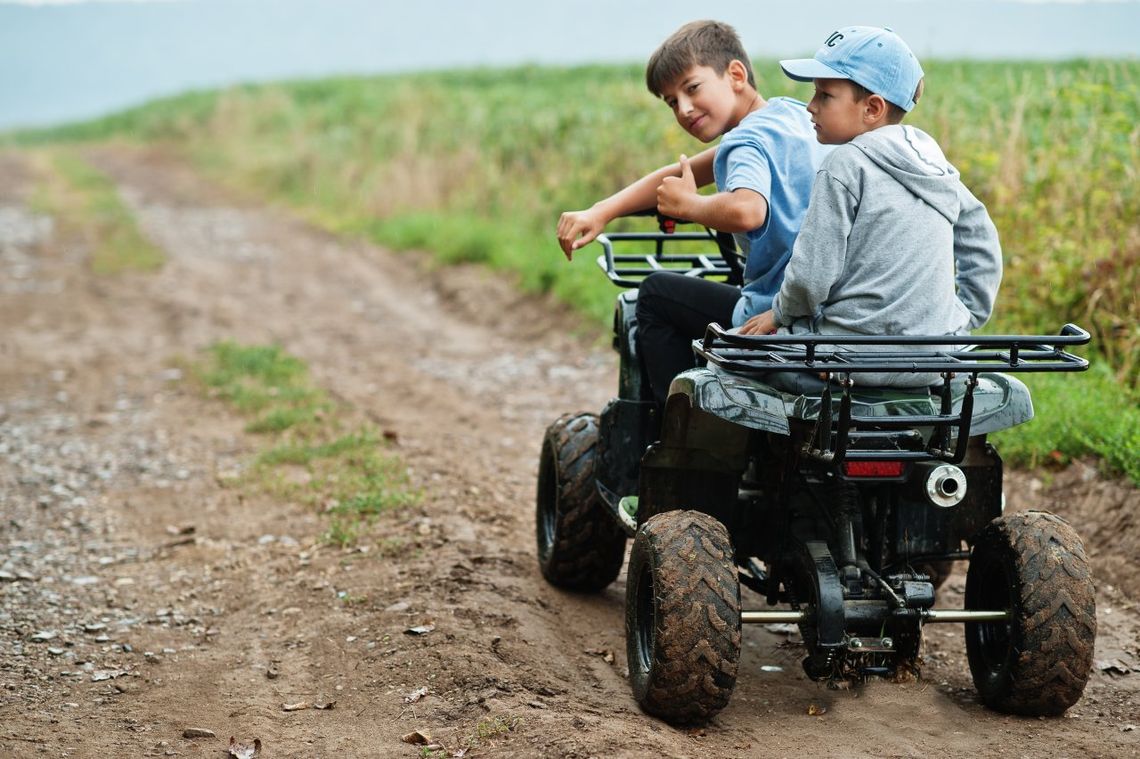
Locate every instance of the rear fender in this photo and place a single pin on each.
(1001, 401)
(696, 465)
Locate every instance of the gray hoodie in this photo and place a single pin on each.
(892, 244)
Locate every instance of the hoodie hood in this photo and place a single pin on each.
(913, 158)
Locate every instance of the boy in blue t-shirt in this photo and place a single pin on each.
(763, 169)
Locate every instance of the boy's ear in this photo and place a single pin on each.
(874, 108)
(737, 72)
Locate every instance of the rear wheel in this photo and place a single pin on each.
(580, 546)
(1036, 663)
(682, 617)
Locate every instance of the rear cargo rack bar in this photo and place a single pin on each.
(760, 354)
(839, 356)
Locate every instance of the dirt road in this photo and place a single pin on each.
(118, 633)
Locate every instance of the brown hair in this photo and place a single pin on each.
(697, 43)
(895, 114)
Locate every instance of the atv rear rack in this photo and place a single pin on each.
(840, 356)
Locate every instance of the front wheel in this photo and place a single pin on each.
(580, 546)
(682, 617)
(1037, 663)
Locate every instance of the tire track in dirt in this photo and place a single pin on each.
(466, 374)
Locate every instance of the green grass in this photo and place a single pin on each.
(312, 458)
(1076, 416)
(88, 207)
(476, 165)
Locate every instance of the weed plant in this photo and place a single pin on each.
(476, 165)
(311, 459)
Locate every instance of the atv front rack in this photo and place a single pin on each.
(840, 357)
(627, 269)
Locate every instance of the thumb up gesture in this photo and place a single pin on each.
(675, 194)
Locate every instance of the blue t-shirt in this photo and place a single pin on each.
(772, 151)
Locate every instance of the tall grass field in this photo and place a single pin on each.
(476, 166)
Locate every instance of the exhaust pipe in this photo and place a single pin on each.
(945, 486)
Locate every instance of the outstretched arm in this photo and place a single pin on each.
(577, 228)
(737, 211)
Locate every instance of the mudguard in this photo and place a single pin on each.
(1000, 401)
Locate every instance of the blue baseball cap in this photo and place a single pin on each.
(874, 58)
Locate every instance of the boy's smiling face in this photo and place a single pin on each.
(705, 103)
(837, 115)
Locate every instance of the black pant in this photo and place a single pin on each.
(672, 311)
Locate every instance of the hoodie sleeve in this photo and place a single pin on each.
(819, 253)
(977, 257)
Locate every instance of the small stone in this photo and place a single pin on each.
(244, 750)
(43, 636)
(198, 732)
(398, 607)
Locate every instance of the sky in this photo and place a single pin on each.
(63, 60)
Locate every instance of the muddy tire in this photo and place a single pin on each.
(580, 546)
(682, 617)
(1038, 662)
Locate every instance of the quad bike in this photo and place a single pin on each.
(843, 506)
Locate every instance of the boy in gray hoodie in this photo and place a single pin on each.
(889, 219)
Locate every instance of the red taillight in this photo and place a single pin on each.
(873, 468)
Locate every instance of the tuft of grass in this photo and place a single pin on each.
(311, 460)
(266, 383)
(495, 726)
(485, 733)
(87, 205)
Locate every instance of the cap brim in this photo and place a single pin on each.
(806, 69)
